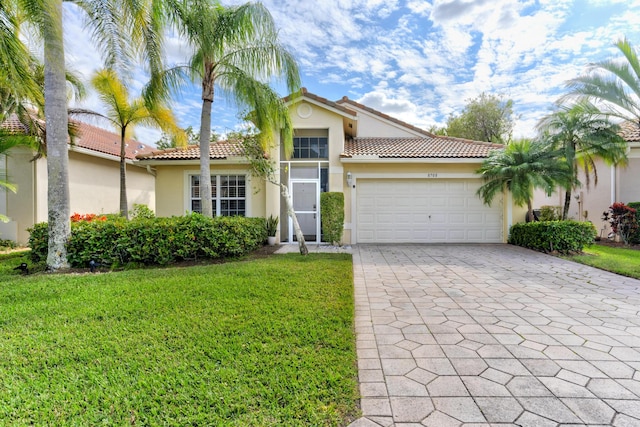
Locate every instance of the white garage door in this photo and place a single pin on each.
(425, 211)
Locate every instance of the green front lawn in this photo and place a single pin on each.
(618, 260)
(254, 343)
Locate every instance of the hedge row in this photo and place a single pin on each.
(553, 236)
(151, 241)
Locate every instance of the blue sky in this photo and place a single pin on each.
(418, 60)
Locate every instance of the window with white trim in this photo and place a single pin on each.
(228, 194)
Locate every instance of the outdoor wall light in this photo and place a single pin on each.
(349, 179)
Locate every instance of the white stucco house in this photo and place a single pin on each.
(401, 183)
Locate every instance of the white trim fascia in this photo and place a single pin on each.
(376, 159)
(420, 175)
(98, 154)
(321, 105)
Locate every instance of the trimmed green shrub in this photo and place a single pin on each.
(150, 241)
(550, 213)
(553, 236)
(635, 238)
(332, 216)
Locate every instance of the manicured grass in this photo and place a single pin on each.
(617, 260)
(253, 343)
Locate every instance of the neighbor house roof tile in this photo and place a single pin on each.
(630, 131)
(89, 137)
(417, 148)
(217, 151)
(104, 141)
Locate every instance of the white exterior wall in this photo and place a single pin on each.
(94, 184)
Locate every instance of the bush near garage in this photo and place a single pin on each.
(332, 216)
(635, 238)
(564, 237)
(153, 241)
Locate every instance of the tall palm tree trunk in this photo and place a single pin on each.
(124, 206)
(57, 149)
(205, 135)
(567, 204)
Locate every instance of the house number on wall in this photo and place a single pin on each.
(432, 175)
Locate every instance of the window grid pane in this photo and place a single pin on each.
(232, 192)
(310, 148)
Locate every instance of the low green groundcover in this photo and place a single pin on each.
(256, 343)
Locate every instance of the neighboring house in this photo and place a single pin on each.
(94, 179)
(401, 183)
(615, 184)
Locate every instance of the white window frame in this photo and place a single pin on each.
(247, 190)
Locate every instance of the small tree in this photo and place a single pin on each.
(622, 219)
(262, 167)
(485, 118)
(520, 168)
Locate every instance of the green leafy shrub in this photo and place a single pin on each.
(635, 237)
(142, 212)
(332, 216)
(550, 213)
(149, 241)
(7, 244)
(548, 236)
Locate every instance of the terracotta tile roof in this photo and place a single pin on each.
(217, 151)
(417, 148)
(321, 100)
(346, 100)
(103, 141)
(89, 137)
(630, 131)
(14, 125)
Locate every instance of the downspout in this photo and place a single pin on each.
(613, 184)
(151, 171)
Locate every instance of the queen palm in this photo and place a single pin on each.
(125, 114)
(236, 50)
(583, 134)
(521, 167)
(614, 84)
(121, 28)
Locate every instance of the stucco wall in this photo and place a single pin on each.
(94, 184)
(172, 182)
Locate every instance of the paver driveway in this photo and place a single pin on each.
(493, 335)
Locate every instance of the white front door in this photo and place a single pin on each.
(306, 204)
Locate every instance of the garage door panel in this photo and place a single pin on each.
(423, 211)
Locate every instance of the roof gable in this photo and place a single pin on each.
(384, 118)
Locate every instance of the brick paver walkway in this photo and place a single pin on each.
(451, 335)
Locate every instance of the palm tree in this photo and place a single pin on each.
(122, 28)
(125, 114)
(583, 134)
(17, 82)
(521, 167)
(614, 83)
(236, 49)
